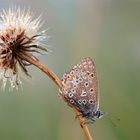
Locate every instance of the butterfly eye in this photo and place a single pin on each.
(74, 86)
(84, 101)
(72, 101)
(72, 72)
(91, 90)
(68, 76)
(79, 102)
(92, 75)
(80, 80)
(86, 84)
(70, 95)
(88, 72)
(91, 101)
(73, 90)
(64, 75)
(76, 70)
(77, 81)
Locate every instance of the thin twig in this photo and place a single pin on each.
(58, 83)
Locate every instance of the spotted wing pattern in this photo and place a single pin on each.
(80, 86)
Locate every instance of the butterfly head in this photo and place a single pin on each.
(98, 114)
(93, 115)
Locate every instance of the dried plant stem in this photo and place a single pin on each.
(83, 125)
(58, 83)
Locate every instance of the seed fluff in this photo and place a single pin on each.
(20, 38)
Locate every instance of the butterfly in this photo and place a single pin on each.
(80, 89)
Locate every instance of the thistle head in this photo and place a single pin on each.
(19, 37)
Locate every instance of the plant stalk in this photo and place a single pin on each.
(56, 80)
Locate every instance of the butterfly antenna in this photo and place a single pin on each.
(116, 118)
(114, 124)
(110, 119)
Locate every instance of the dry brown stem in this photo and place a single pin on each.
(56, 80)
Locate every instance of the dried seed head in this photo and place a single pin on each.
(19, 38)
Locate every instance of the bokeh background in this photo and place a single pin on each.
(106, 30)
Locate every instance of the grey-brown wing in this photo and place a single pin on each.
(80, 86)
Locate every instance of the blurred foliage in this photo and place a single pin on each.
(106, 30)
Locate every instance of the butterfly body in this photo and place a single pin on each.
(80, 89)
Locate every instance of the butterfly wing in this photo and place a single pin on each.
(90, 84)
(80, 86)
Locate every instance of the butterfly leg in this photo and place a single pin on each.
(86, 122)
(81, 123)
(78, 116)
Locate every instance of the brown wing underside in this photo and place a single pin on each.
(80, 86)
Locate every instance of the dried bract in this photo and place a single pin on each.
(20, 38)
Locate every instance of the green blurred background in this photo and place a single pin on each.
(106, 30)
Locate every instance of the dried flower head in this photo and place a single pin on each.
(19, 39)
